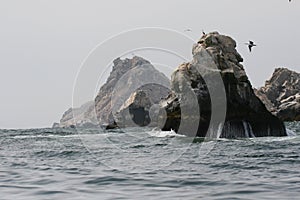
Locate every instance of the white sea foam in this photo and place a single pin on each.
(159, 133)
(290, 132)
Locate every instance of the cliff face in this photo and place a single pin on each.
(245, 115)
(281, 94)
(127, 77)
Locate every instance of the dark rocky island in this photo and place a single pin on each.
(211, 96)
(245, 115)
(281, 94)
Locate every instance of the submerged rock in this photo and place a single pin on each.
(281, 94)
(212, 96)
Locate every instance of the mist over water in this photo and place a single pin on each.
(135, 164)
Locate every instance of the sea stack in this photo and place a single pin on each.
(214, 56)
(281, 94)
(123, 96)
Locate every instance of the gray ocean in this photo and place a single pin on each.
(146, 164)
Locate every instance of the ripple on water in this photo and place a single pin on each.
(54, 164)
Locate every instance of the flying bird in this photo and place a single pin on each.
(250, 45)
(188, 30)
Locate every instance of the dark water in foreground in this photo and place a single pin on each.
(136, 164)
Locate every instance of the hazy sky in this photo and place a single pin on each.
(44, 42)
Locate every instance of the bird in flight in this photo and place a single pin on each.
(188, 30)
(250, 45)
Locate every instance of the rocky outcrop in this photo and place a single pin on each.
(141, 109)
(77, 117)
(127, 77)
(135, 110)
(55, 125)
(212, 96)
(281, 94)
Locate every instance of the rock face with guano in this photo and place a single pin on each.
(213, 97)
(281, 94)
(128, 76)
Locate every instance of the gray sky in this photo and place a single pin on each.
(43, 43)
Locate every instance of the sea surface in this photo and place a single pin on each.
(146, 164)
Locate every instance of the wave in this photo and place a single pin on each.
(160, 134)
(290, 133)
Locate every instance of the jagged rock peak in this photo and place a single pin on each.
(125, 75)
(281, 94)
(285, 77)
(221, 46)
(127, 62)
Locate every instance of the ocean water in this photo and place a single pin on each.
(146, 164)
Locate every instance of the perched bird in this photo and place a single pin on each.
(250, 45)
(203, 32)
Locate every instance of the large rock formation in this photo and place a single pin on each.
(127, 77)
(281, 94)
(213, 88)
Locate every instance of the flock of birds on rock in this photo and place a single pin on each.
(250, 44)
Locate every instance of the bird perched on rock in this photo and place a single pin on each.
(250, 45)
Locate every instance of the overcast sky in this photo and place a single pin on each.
(44, 42)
